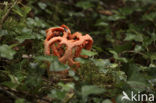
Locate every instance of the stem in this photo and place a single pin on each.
(6, 14)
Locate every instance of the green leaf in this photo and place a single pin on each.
(57, 66)
(22, 38)
(139, 86)
(126, 11)
(31, 22)
(101, 24)
(9, 84)
(71, 73)
(115, 17)
(20, 100)
(22, 11)
(153, 56)
(42, 5)
(85, 4)
(120, 75)
(44, 58)
(133, 72)
(151, 17)
(26, 10)
(26, 30)
(57, 94)
(91, 89)
(107, 101)
(66, 87)
(126, 46)
(81, 60)
(138, 48)
(102, 63)
(88, 53)
(14, 79)
(78, 14)
(18, 10)
(3, 32)
(7, 52)
(116, 56)
(137, 37)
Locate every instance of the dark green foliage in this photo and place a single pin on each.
(123, 57)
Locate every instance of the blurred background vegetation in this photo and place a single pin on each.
(123, 57)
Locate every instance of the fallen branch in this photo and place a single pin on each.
(9, 93)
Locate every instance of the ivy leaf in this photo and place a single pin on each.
(7, 52)
(126, 11)
(116, 56)
(107, 101)
(115, 17)
(44, 58)
(85, 4)
(133, 72)
(88, 53)
(120, 75)
(66, 87)
(91, 89)
(139, 86)
(138, 48)
(150, 17)
(57, 94)
(20, 100)
(57, 66)
(3, 32)
(71, 73)
(24, 37)
(81, 60)
(137, 37)
(153, 56)
(42, 5)
(102, 63)
(18, 11)
(101, 24)
(9, 84)
(26, 10)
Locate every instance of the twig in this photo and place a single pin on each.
(15, 94)
(133, 52)
(69, 96)
(4, 90)
(4, 4)
(150, 9)
(6, 14)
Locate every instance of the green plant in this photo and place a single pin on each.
(123, 57)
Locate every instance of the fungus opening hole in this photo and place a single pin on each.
(57, 49)
(76, 51)
(57, 33)
(86, 44)
(62, 49)
(75, 38)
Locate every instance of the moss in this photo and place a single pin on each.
(90, 73)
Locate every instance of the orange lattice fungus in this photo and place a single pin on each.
(66, 46)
